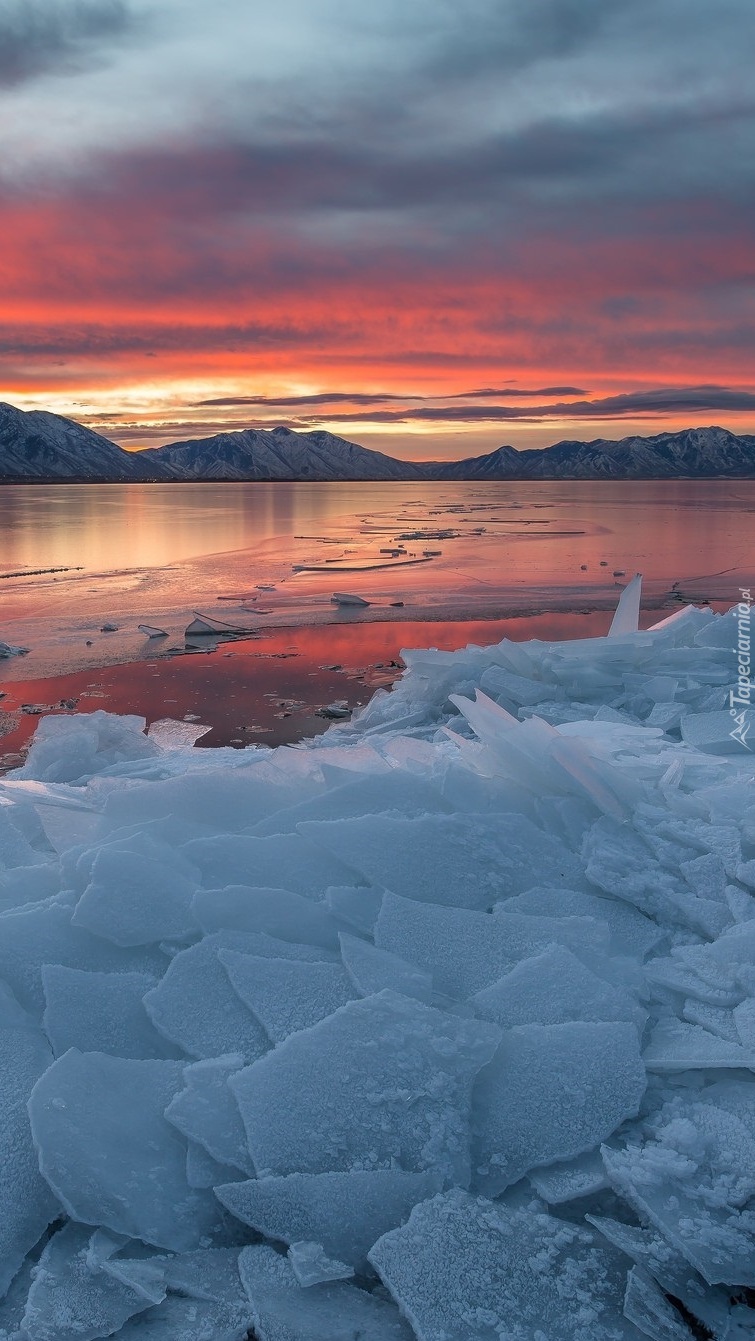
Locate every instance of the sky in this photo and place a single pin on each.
(430, 226)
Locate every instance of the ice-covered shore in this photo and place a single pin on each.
(443, 1027)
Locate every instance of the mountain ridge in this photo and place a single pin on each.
(43, 447)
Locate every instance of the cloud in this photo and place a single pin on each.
(672, 400)
(37, 36)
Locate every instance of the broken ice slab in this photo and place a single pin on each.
(73, 1299)
(652, 1313)
(407, 795)
(221, 801)
(139, 893)
(285, 861)
(275, 912)
(100, 1012)
(195, 1006)
(552, 1092)
(205, 1299)
(286, 995)
(569, 1179)
(42, 934)
(311, 1266)
(552, 988)
(334, 1097)
(337, 1311)
(676, 1045)
(714, 732)
(205, 1111)
(28, 1205)
(74, 749)
(108, 1153)
(690, 1173)
(344, 1212)
(650, 1250)
(432, 858)
(716, 1019)
(627, 616)
(632, 933)
(464, 951)
(371, 969)
(467, 1269)
(355, 905)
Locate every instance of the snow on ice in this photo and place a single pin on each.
(441, 1026)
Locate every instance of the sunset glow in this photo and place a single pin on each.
(462, 206)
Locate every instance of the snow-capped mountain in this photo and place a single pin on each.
(278, 454)
(701, 453)
(36, 445)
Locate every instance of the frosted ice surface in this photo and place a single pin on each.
(552, 988)
(632, 933)
(108, 1153)
(206, 1111)
(712, 731)
(585, 934)
(100, 1012)
(73, 749)
(344, 1212)
(286, 995)
(383, 1081)
(73, 1299)
(28, 1205)
(677, 1046)
(371, 969)
(647, 1307)
(285, 861)
(195, 1006)
(467, 861)
(693, 1178)
(553, 1092)
(467, 1269)
(463, 950)
(716, 1019)
(283, 1311)
(33, 936)
(276, 912)
(140, 893)
(311, 1266)
(570, 1178)
(744, 1023)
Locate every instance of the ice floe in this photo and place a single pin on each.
(440, 1027)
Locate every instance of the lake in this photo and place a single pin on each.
(462, 560)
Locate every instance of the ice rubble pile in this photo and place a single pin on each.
(442, 1028)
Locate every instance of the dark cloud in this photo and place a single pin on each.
(40, 35)
(485, 391)
(673, 400)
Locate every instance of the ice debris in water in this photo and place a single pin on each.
(442, 1026)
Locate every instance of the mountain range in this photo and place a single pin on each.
(38, 446)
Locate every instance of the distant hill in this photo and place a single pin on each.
(35, 445)
(39, 446)
(280, 454)
(697, 453)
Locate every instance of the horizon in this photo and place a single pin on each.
(431, 230)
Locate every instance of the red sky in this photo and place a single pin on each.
(506, 232)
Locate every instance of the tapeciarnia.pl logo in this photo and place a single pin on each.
(740, 699)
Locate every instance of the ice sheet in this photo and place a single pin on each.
(384, 1082)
